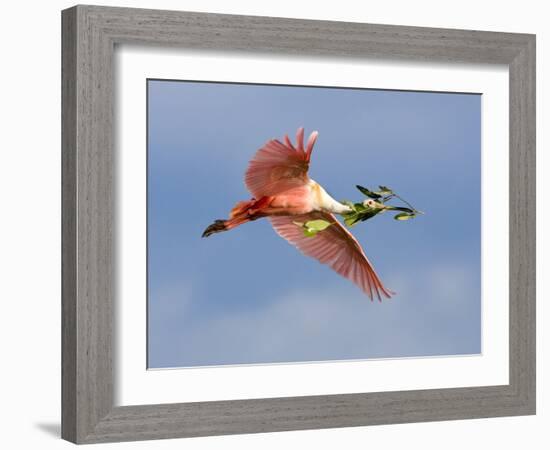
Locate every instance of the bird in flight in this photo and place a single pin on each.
(277, 177)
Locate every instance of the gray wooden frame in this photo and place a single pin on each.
(89, 36)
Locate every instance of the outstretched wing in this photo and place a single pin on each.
(334, 246)
(278, 166)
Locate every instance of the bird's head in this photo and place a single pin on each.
(373, 204)
(379, 207)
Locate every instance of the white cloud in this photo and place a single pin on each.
(330, 323)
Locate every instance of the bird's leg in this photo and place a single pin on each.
(217, 227)
(245, 211)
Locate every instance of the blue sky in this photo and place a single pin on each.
(247, 296)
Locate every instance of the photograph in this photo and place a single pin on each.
(296, 224)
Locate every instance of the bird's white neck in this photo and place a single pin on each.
(324, 202)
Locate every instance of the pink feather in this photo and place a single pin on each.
(335, 247)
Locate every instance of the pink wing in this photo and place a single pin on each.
(334, 246)
(277, 166)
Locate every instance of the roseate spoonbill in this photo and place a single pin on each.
(277, 177)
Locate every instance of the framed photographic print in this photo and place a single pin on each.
(268, 222)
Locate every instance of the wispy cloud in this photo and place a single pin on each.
(328, 324)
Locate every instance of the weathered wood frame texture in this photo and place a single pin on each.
(89, 36)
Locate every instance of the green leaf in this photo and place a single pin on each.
(402, 208)
(308, 232)
(317, 225)
(313, 227)
(404, 216)
(368, 193)
(384, 190)
(368, 214)
(359, 207)
(350, 220)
